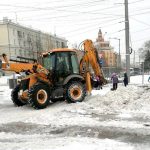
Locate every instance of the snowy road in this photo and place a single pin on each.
(107, 120)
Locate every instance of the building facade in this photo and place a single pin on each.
(106, 53)
(23, 42)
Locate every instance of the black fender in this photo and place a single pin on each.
(44, 82)
(71, 77)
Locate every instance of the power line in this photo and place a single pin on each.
(136, 1)
(141, 30)
(44, 8)
(64, 17)
(141, 21)
(148, 37)
(140, 9)
(92, 23)
(88, 12)
(91, 29)
(92, 26)
(148, 12)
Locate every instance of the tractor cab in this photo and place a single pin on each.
(61, 64)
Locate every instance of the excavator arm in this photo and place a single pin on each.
(90, 58)
(34, 71)
(17, 67)
(22, 67)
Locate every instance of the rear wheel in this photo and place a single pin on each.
(15, 96)
(39, 96)
(75, 92)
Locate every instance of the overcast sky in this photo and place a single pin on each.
(77, 20)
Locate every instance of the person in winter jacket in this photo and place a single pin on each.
(114, 79)
(125, 80)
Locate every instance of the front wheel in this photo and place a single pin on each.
(39, 96)
(15, 96)
(75, 92)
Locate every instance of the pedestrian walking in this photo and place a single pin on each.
(125, 80)
(115, 81)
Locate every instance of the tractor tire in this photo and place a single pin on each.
(15, 97)
(75, 92)
(39, 96)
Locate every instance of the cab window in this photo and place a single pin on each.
(49, 61)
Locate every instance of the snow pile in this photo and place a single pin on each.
(130, 98)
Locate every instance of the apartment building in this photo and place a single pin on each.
(18, 41)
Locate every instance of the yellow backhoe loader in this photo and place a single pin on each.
(60, 75)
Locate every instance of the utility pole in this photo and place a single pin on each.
(127, 39)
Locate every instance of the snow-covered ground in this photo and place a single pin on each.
(106, 120)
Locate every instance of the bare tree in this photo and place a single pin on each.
(145, 55)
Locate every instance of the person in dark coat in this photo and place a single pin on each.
(115, 81)
(125, 80)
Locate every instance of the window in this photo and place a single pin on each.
(75, 65)
(62, 44)
(57, 44)
(62, 61)
(49, 61)
(19, 34)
